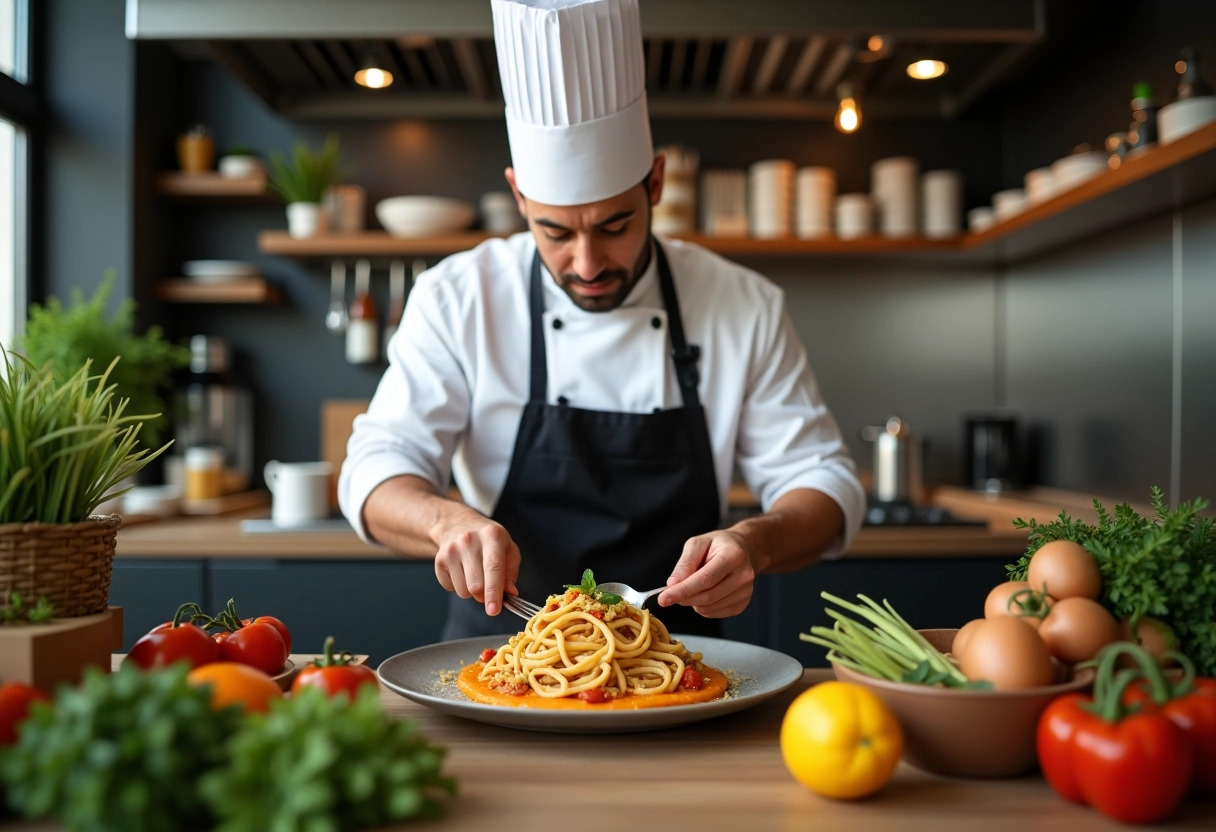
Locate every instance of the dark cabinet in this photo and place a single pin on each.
(150, 591)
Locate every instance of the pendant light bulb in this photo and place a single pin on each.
(848, 115)
(372, 76)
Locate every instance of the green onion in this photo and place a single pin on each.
(890, 649)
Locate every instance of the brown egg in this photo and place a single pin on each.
(1077, 628)
(1008, 653)
(997, 602)
(1153, 635)
(1067, 570)
(962, 637)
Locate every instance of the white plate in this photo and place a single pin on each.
(757, 674)
(219, 269)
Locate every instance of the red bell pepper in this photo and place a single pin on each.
(1133, 765)
(1189, 703)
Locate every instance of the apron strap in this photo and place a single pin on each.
(683, 354)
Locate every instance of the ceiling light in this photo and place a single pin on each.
(372, 75)
(927, 68)
(848, 116)
(877, 48)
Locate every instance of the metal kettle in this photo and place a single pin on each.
(897, 472)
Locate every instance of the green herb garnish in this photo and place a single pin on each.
(587, 587)
(320, 763)
(1163, 567)
(16, 612)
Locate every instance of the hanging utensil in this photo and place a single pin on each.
(336, 316)
(396, 300)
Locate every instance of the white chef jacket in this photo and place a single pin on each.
(458, 378)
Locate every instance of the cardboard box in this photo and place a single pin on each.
(46, 655)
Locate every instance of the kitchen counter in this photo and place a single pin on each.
(221, 536)
(725, 773)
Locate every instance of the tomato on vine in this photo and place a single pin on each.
(257, 643)
(335, 674)
(174, 641)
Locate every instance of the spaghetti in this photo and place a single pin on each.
(578, 647)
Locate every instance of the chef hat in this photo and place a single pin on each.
(574, 84)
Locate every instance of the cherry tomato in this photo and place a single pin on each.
(487, 654)
(236, 684)
(257, 645)
(691, 680)
(595, 696)
(335, 674)
(166, 644)
(15, 701)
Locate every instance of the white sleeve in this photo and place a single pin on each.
(788, 438)
(418, 411)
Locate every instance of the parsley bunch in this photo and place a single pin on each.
(320, 764)
(120, 752)
(1163, 566)
(587, 587)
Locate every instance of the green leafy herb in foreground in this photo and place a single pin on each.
(1162, 566)
(315, 763)
(16, 612)
(120, 752)
(588, 587)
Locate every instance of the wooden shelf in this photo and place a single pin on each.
(209, 185)
(1160, 179)
(245, 290)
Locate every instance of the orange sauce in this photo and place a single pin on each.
(714, 684)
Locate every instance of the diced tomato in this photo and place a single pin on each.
(691, 680)
(598, 614)
(518, 689)
(595, 696)
(487, 654)
(551, 608)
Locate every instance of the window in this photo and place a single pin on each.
(17, 114)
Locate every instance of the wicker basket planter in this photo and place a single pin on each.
(69, 563)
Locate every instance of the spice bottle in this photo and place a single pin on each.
(1143, 130)
(362, 344)
(1191, 83)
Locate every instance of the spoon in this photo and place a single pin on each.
(336, 315)
(631, 595)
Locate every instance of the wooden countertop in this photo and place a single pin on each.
(724, 773)
(221, 536)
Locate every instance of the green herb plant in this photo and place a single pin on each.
(325, 764)
(1162, 566)
(588, 587)
(16, 612)
(64, 447)
(890, 649)
(123, 751)
(67, 337)
(309, 175)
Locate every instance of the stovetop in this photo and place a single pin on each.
(912, 514)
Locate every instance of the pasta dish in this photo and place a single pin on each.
(588, 649)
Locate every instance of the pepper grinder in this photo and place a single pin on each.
(396, 301)
(362, 345)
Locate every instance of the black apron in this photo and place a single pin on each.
(617, 493)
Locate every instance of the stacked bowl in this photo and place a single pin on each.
(894, 188)
(815, 196)
(771, 198)
(941, 203)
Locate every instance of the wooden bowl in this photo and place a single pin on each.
(968, 733)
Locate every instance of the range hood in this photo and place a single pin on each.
(704, 58)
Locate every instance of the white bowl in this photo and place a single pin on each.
(1071, 171)
(218, 270)
(240, 167)
(1009, 202)
(980, 219)
(1186, 116)
(416, 216)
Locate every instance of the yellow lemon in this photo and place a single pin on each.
(840, 740)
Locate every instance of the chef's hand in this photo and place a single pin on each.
(714, 576)
(478, 559)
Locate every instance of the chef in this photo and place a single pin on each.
(590, 389)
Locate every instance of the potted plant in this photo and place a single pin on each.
(241, 162)
(66, 337)
(302, 184)
(65, 448)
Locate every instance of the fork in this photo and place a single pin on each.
(632, 596)
(524, 609)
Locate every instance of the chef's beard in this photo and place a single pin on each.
(625, 279)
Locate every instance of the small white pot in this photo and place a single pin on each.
(240, 167)
(307, 219)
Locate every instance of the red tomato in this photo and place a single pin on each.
(335, 674)
(278, 625)
(1053, 740)
(166, 644)
(487, 654)
(691, 680)
(258, 645)
(1195, 714)
(347, 678)
(595, 696)
(15, 701)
